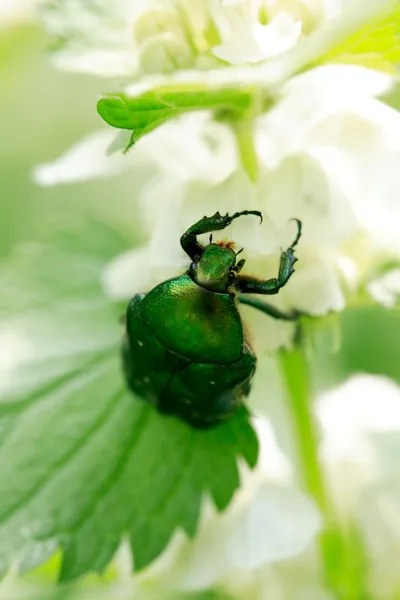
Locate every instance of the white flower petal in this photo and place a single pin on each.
(96, 62)
(86, 160)
(386, 288)
(279, 35)
(360, 129)
(195, 147)
(205, 562)
(165, 252)
(12, 11)
(315, 288)
(336, 82)
(136, 271)
(272, 462)
(309, 195)
(252, 42)
(377, 206)
(335, 88)
(277, 523)
(265, 333)
(364, 403)
(128, 274)
(94, 38)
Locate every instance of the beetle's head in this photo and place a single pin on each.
(217, 268)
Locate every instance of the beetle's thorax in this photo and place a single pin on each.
(215, 268)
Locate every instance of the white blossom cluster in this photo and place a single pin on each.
(327, 150)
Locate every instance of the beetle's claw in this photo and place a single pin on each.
(299, 229)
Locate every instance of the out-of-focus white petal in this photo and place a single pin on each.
(194, 147)
(272, 463)
(281, 34)
(386, 288)
(12, 11)
(86, 160)
(335, 88)
(359, 151)
(299, 188)
(204, 563)
(377, 206)
(252, 42)
(364, 403)
(348, 270)
(103, 63)
(128, 274)
(277, 523)
(93, 38)
(336, 82)
(265, 333)
(315, 288)
(360, 129)
(135, 271)
(162, 200)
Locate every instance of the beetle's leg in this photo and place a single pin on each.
(270, 310)
(251, 285)
(207, 224)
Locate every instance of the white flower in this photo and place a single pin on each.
(317, 147)
(313, 148)
(131, 37)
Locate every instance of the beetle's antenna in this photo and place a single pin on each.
(211, 238)
(239, 251)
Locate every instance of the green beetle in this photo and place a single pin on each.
(185, 350)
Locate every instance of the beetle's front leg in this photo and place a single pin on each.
(250, 285)
(207, 224)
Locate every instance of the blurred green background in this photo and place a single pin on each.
(62, 112)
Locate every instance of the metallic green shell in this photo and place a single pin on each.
(199, 324)
(203, 392)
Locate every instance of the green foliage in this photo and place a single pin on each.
(145, 112)
(375, 45)
(82, 462)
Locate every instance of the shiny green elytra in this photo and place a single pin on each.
(185, 350)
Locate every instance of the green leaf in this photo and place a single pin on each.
(83, 462)
(375, 45)
(145, 112)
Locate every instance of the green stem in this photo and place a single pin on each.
(247, 151)
(295, 374)
(341, 549)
